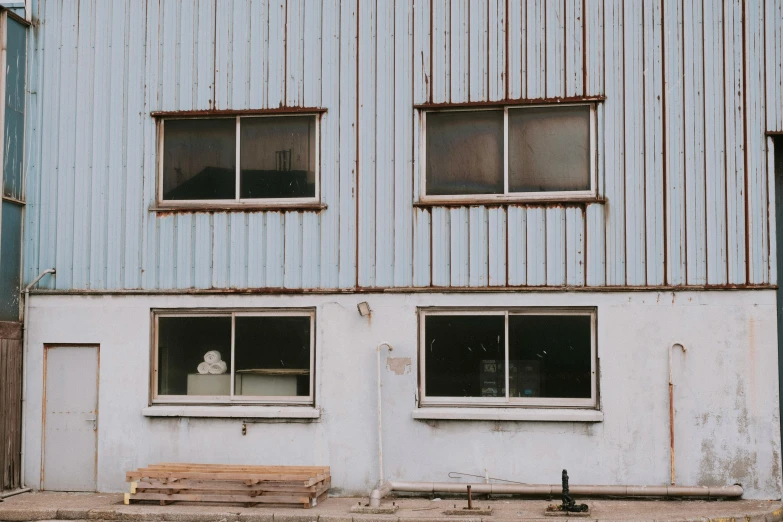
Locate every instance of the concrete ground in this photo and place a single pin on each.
(96, 506)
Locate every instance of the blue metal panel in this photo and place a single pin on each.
(385, 231)
(441, 246)
(256, 250)
(653, 148)
(535, 45)
(596, 245)
(478, 244)
(497, 246)
(594, 40)
(275, 249)
(421, 247)
(477, 46)
(422, 74)
(575, 246)
(441, 50)
(293, 250)
(536, 246)
(347, 144)
(220, 250)
(459, 67)
(517, 245)
(735, 140)
(294, 65)
(554, 68)
(497, 23)
(460, 246)
(166, 253)
(184, 250)
(276, 77)
(237, 248)
(555, 246)
(695, 178)
(368, 119)
(633, 119)
(517, 52)
(258, 59)
(674, 143)
(203, 250)
(311, 262)
(715, 140)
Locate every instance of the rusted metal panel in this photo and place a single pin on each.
(735, 141)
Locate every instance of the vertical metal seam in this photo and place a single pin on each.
(745, 136)
(75, 126)
(284, 101)
(704, 159)
(214, 57)
(505, 55)
(565, 50)
(644, 154)
(625, 150)
(664, 170)
(584, 64)
(725, 147)
(356, 163)
(429, 85)
(684, 144)
(767, 125)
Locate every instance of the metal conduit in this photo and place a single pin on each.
(734, 491)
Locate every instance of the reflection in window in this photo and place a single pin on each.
(199, 159)
(543, 359)
(277, 157)
(10, 260)
(465, 152)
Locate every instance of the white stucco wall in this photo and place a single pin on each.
(727, 427)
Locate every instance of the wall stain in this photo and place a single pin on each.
(398, 365)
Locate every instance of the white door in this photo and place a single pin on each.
(70, 418)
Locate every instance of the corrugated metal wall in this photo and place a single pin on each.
(682, 148)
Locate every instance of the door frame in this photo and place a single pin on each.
(47, 347)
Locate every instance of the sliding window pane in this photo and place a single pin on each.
(465, 356)
(187, 362)
(277, 155)
(550, 356)
(14, 109)
(549, 149)
(464, 153)
(272, 356)
(199, 159)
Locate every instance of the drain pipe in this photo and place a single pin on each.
(540, 490)
(24, 366)
(671, 408)
(380, 403)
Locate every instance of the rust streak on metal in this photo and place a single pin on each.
(554, 202)
(501, 103)
(237, 112)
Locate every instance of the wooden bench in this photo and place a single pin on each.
(289, 486)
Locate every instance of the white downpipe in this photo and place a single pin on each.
(380, 409)
(24, 367)
(671, 410)
(539, 490)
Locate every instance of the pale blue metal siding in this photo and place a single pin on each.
(682, 157)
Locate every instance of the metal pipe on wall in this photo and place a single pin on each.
(380, 413)
(734, 491)
(24, 366)
(671, 409)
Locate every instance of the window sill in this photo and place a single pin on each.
(510, 414)
(505, 202)
(236, 207)
(234, 412)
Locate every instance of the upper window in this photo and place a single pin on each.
(523, 152)
(513, 357)
(261, 160)
(229, 357)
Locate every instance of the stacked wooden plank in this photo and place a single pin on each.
(303, 486)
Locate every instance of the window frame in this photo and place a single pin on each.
(238, 202)
(508, 402)
(231, 399)
(508, 197)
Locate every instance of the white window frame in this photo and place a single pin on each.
(237, 201)
(538, 402)
(553, 195)
(276, 400)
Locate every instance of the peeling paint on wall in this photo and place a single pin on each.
(399, 365)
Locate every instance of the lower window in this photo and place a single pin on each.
(508, 357)
(253, 356)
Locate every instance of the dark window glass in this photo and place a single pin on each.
(277, 157)
(14, 109)
(464, 153)
(183, 343)
(550, 356)
(272, 356)
(199, 159)
(549, 149)
(464, 355)
(10, 260)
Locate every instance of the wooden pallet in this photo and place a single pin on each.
(303, 486)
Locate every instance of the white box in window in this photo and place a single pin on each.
(265, 385)
(209, 384)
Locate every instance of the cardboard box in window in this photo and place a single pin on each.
(524, 378)
(257, 383)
